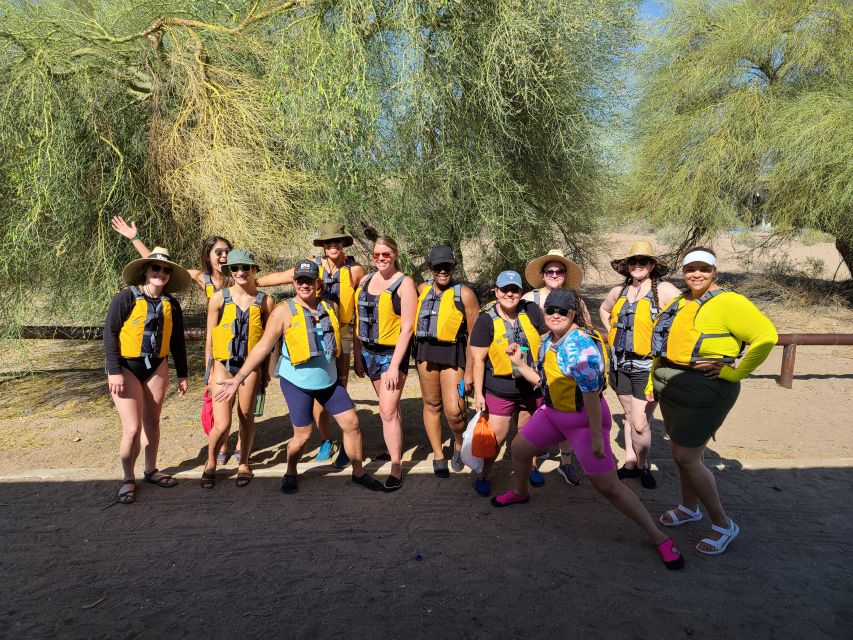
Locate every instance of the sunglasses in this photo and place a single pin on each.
(382, 254)
(510, 288)
(156, 268)
(302, 280)
(554, 272)
(550, 311)
(240, 267)
(333, 241)
(221, 252)
(638, 261)
(442, 268)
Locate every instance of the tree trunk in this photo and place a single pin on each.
(845, 248)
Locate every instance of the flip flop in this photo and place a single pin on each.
(244, 478)
(129, 496)
(166, 481)
(208, 480)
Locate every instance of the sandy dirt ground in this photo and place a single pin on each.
(433, 559)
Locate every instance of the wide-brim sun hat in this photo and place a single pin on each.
(132, 274)
(535, 278)
(640, 249)
(240, 256)
(330, 231)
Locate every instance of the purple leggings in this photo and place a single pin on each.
(548, 427)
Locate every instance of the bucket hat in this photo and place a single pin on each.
(330, 231)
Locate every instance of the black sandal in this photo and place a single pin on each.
(166, 481)
(244, 478)
(208, 480)
(127, 497)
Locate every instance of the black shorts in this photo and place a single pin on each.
(629, 383)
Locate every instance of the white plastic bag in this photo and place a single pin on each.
(472, 461)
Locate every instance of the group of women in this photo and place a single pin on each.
(535, 357)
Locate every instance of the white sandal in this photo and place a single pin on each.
(720, 545)
(694, 516)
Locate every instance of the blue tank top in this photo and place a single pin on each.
(320, 372)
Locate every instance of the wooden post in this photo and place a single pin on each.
(786, 377)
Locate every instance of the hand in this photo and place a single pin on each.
(597, 446)
(514, 353)
(469, 383)
(183, 385)
(650, 396)
(358, 366)
(115, 383)
(227, 389)
(479, 402)
(391, 378)
(711, 368)
(120, 226)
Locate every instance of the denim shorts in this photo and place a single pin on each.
(375, 364)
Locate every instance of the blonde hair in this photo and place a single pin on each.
(389, 242)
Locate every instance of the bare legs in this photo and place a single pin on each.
(638, 436)
(440, 391)
(222, 418)
(392, 421)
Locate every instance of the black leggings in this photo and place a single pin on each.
(139, 368)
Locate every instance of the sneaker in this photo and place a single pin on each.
(392, 483)
(326, 451)
(568, 472)
(509, 498)
(647, 479)
(536, 478)
(483, 487)
(456, 461)
(342, 460)
(368, 482)
(289, 484)
(624, 472)
(439, 468)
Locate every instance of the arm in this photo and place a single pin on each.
(408, 307)
(357, 357)
(667, 292)
(178, 346)
(116, 315)
(592, 404)
(527, 372)
(277, 323)
(748, 324)
(472, 312)
(129, 231)
(607, 307)
(478, 373)
(276, 278)
(356, 273)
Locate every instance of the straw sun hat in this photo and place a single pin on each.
(638, 249)
(133, 273)
(533, 271)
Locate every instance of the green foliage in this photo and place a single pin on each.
(432, 121)
(743, 97)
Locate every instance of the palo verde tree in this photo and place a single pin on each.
(746, 97)
(257, 119)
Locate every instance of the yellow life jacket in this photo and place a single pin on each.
(338, 288)
(148, 329)
(522, 332)
(209, 287)
(306, 338)
(631, 324)
(561, 391)
(238, 331)
(440, 314)
(376, 321)
(675, 336)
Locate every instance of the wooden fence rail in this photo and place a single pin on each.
(788, 342)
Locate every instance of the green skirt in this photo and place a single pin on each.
(693, 405)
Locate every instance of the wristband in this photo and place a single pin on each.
(136, 237)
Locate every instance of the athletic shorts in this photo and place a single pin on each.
(497, 406)
(629, 383)
(300, 402)
(548, 427)
(375, 364)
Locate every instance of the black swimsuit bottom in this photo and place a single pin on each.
(139, 368)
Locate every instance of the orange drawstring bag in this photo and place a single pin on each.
(484, 444)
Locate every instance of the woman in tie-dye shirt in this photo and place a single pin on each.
(571, 369)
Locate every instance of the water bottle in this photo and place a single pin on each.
(260, 398)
